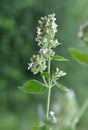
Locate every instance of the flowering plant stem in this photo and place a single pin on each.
(42, 63)
(48, 101)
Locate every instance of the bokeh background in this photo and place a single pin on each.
(18, 21)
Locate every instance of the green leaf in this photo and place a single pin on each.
(60, 86)
(36, 127)
(79, 56)
(33, 86)
(45, 74)
(60, 58)
(44, 127)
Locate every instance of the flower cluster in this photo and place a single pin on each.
(47, 53)
(46, 41)
(38, 64)
(58, 74)
(46, 32)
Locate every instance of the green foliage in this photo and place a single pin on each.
(80, 56)
(33, 86)
(41, 128)
(16, 20)
(60, 58)
(36, 127)
(45, 74)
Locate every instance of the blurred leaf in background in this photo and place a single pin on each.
(81, 57)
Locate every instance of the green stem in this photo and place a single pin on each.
(45, 81)
(49, 89)
(48, 102)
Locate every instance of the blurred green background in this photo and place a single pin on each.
(18, 21)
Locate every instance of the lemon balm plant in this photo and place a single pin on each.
(41, 63)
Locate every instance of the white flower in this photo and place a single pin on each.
(52, 113)
(57, 69)
(42, 18)
(48, 20)
(53, 117)
(36, 39)
(53, 26)
(34, 56)
(38, 31)
(40, 22)
(47, 24)
(43, 50)
(29, 65)
(61, 73)
(56, 42)
(54, 19)
(45, 40)
(47, 31)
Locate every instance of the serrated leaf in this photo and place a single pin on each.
(45, 74)
(79, 56)
(60, 86)
(32, 86)
(60, 58)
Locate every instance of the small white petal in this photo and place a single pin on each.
(57, 69)
(56, 41)
(30, 65)
(53, 117)
(47, 31)
(47, 24)
(40, 22)
(43, 50)
(53, 26)
(52, 113)
(61, 73)
(42, 18)
(45, 40)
